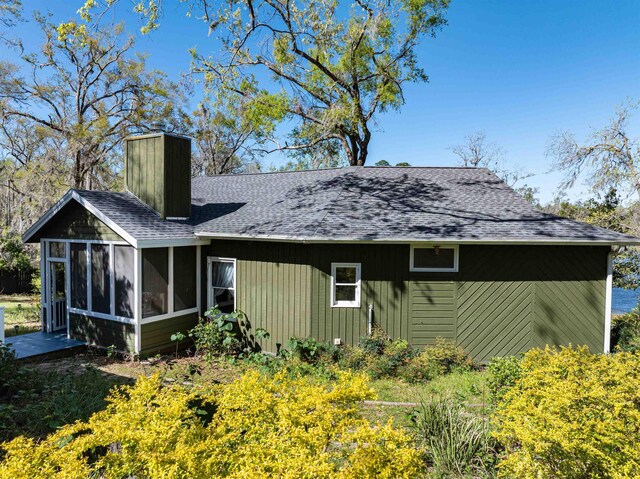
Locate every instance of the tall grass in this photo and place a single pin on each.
(457, 442)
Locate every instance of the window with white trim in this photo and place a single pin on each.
(345, 285)
(222, 284)
(434, 258)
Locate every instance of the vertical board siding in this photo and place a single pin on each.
(177, 164)
(271, 284)
(503, 301)
(73, 221)
(102, 332)
(158, 171)
(156, 336)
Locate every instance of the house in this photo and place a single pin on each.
(420, 252)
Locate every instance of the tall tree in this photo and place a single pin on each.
(226, 138)
(477, 152)
(327, 66)
(608, 158)
(86, 88)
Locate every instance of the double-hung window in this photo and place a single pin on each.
(345, 285)
(222, 286)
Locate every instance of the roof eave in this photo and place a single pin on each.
(74, 195)
(488, 241)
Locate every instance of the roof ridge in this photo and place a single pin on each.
(347, 168)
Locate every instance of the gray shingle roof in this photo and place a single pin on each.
(379, 203)
(352, 204)
(139, 220)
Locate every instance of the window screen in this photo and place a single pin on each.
(434, 258)
(184, 278)
(57, 250)
(155, 281)
(100, 279)
(124, 267)
(79, 275)
(223, 282)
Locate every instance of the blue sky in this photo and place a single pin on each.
(517, 70)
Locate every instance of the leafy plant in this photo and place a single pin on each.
(625, 331)
(456, 442)
(217, 333)
(112, 351)
(177, 338)
(503, 375)
(572, 414)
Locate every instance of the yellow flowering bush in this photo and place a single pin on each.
(257, 426)
(572, 414)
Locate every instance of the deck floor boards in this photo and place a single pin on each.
(37, 344)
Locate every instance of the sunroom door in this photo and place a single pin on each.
(57, 294)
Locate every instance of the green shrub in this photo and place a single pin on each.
(572, 414)
(8, 368)
(217, 333)
(254, 427)
(310, 351)
(625, 331)
(378, 355)
(502, 376)
(441, 358)
(457, 443)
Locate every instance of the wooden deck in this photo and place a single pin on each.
(33, 345)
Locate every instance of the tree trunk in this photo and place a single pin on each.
(77, 173)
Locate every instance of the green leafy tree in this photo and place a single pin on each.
(325, 66)
(13, 254)
(86, 89)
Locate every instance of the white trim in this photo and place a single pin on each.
(43, 285)
(112, 280)
(357, 284)
(497, 241)
(137, 301)
(74, 195)
(67, 272)
(456, 259)
(80, 240)
(89, 295)
(108, 317)
(160, 317)
(199, 279)
(607, 308)
(166, 243)
(210, 261)
(171, 281)
(177, 218)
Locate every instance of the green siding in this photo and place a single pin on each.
(272, 287)
(102, 332)
(156, 336)
(433, 311)
(73, 221)
(504, 300)
(177, 154)
(158, 171)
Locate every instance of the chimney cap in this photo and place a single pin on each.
(157, 127)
